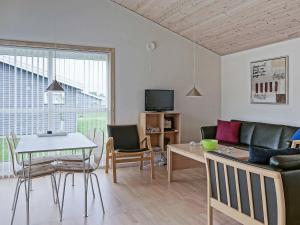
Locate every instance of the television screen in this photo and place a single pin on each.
(159, 100)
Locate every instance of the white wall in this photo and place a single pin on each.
(102, 23)
(236, 85)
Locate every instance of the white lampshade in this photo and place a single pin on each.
(55, 86)
(193, 93)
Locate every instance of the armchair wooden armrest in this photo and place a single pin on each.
(143, 139)
(109, 149)
(147, 141)
(129, 148)
(110, 145)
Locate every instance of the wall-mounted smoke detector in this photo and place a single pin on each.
(151, 46)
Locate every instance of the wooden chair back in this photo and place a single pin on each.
(14, 139)
(12, 154)
(244, 192)
(99, 140)
(14, 142)
(91, 134)
(124, 136)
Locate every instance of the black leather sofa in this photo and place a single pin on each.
(289, 169)
(271, 136)
(265, 135)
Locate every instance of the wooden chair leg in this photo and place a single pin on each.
(209, 215)
(142, 161)
(114, 167)
(152, 165)
(107, 161)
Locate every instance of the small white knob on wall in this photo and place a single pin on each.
(151, 46)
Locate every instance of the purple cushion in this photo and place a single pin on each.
(228, 131)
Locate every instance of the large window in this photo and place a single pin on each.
(26, 109)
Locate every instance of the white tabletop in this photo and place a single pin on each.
(33, 143)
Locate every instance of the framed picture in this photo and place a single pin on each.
(269, 81)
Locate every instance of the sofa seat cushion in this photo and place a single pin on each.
(266, 135)
(228, 131)
(262, 156)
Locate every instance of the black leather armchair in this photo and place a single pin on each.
(124, 145)
(208, 132)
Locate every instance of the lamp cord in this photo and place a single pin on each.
(194, 47)
(54, 37)
(194, 3)
(194, 59)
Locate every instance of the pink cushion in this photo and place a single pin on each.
(228, 131)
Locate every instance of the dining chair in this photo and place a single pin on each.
(90, 167)
(71, 158)
(36, 171)
(124, 145)
(75, 158)
(34, 161)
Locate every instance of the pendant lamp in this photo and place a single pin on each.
(194, 91)
(55, 86)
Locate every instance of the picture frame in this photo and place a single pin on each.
(270, 81)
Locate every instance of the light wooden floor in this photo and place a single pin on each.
(134, 200)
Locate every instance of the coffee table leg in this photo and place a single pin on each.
(170, 169)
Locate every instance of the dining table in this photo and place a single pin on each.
(31, 144)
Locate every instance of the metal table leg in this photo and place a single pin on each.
(86, 180)
(85, 184)
(26, 185)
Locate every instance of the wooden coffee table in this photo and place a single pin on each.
(183, 156)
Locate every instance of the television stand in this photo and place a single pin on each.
(153, 124)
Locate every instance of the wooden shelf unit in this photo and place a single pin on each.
(157, 120)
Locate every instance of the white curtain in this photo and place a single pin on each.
(25, 73)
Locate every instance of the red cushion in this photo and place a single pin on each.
(228, 131)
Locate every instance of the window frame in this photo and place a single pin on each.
(79, 48)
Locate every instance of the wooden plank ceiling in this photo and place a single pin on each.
(224, 26)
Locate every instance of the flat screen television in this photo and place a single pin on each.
(159, 100)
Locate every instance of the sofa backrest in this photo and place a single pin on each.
(246, 132)
(266, 135)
